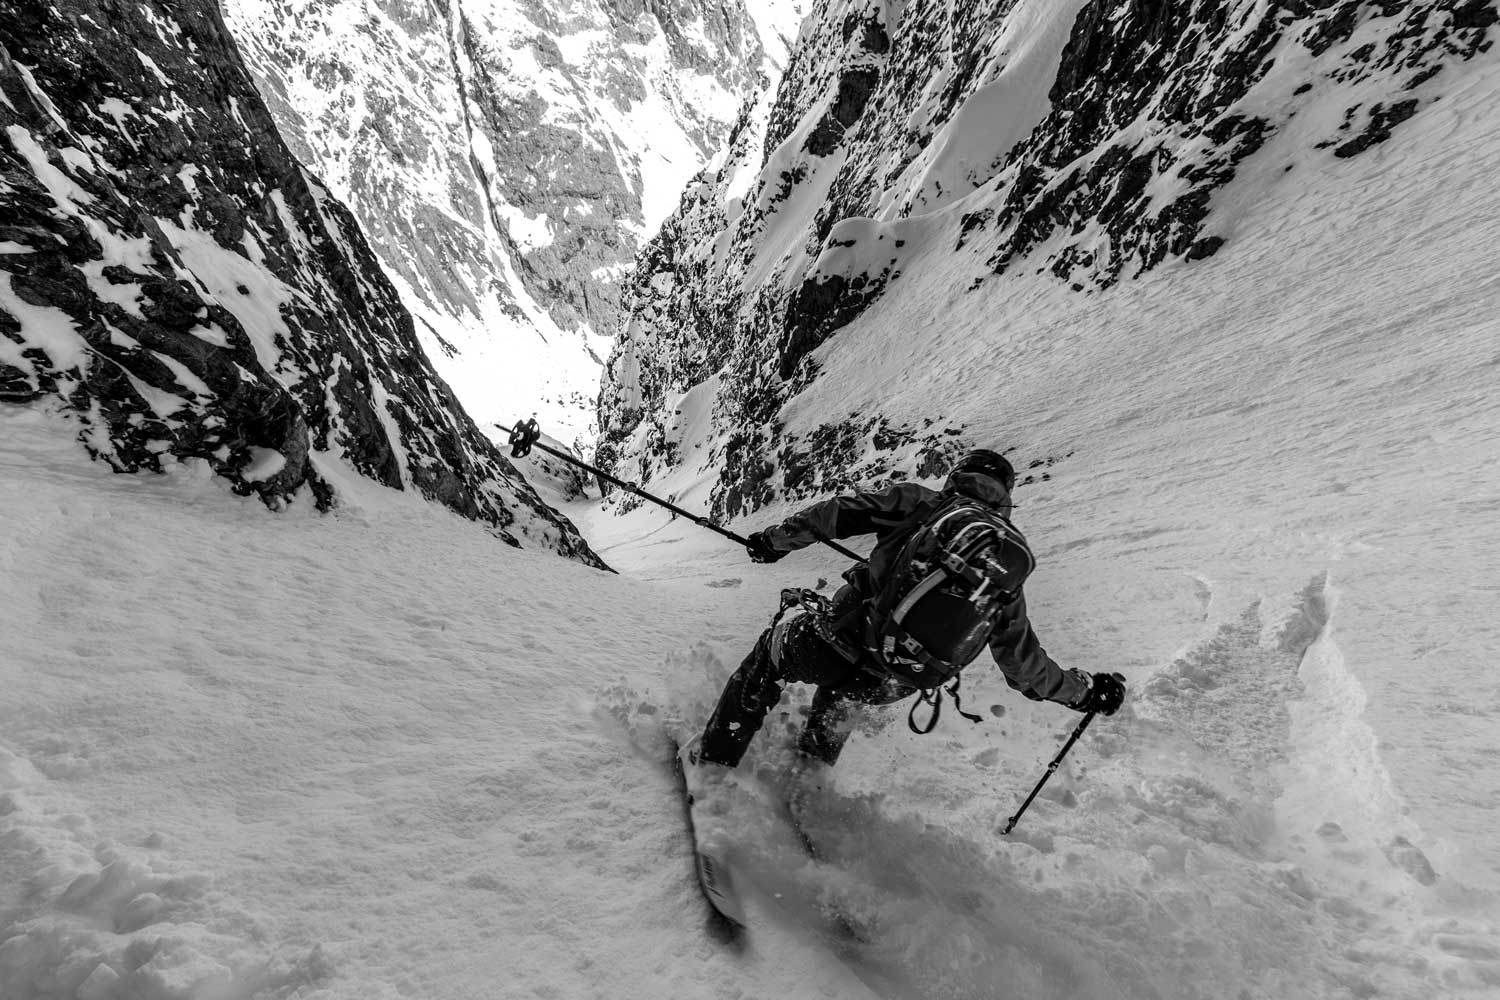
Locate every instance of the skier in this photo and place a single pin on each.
(859, 649)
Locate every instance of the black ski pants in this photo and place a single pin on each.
(793, 650)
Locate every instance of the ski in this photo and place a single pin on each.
(843, 926)
(715, 878)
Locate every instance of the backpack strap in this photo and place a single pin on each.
(958, 702)
(934, 697)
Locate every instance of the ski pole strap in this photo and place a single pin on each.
(958, 701)
(933, 697)
(1056, 762)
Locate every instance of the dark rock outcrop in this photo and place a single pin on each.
(174, 279)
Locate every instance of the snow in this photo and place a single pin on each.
(150, 64)
(264, 464)
(60, 186)
(44, 327)
(999, 114)
(117, 110)
(379, 753)
(251, 292)
(772, 20)
(504, 368)
(125, 294)
(346, 756)
(527, 232)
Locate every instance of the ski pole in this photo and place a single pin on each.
(525, 435)
(1056, 762)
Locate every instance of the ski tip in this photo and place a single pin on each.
(719, 888)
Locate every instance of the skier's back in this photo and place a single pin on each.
(907, 620)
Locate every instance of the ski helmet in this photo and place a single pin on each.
(988, 463)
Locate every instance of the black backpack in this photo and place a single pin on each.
(944, 591)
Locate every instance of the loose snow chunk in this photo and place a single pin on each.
(6, 246)
(119, 337)
(264, 463)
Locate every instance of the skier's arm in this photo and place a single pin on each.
(1026, 666)
(847, 516)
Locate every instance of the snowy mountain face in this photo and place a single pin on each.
(508, 158)
(1087, 142)
(175, 279)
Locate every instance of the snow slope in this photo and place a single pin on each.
(1210, 438)
(377, 754)
(346, 756)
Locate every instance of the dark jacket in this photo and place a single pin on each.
(890, 515)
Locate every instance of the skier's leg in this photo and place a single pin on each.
(743, 704)
(824, 734)
(827, 727)
(790, 650)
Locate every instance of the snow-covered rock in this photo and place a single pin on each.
(509, 157)
(1087, 140)
(171, 275)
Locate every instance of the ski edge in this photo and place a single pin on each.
(715, 877)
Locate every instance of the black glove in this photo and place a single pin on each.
(1105, 695)
(761, 549)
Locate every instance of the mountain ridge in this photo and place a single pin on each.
(1085, 142)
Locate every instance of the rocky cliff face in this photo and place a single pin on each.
(509, 158)
(172, 276)
(1083, 140)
